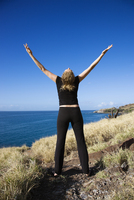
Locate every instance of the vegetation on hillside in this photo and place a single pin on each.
(20, 171)
(122, 109)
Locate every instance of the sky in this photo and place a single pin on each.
(66, 34)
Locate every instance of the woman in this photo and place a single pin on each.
(69, 111)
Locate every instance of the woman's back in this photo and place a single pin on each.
(67, 97)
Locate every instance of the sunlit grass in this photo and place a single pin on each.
(98, 135)
(125, 192)
(19, 173)
(20, 167)
(119, 158)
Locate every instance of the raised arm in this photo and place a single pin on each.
(88, 70)
(41, 67)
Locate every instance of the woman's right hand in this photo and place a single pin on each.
(28, 49)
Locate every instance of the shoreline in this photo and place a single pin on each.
(122, 109)
(70, 131)
(24, 128)
(47, 137)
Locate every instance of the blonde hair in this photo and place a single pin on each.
(68, 80)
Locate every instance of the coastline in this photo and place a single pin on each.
(19, 128)
(122, 109)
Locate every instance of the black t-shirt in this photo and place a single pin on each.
(67, 97)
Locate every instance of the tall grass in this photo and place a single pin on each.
(117, 159)
(98, 135)
(20, 171)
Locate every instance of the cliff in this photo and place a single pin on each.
(122, 109)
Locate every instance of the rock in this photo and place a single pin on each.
(95, 156)
(95, 192)
(127, 143)
(87, 183)
(115, 169)
(131, 147)
(112, 148)
(100, 111)
(90, 197)
(124, 166)
(83, 195)
(68, 192)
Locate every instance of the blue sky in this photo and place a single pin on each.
(62, 34)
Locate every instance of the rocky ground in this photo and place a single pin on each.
(74, 185)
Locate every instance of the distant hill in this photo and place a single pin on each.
(122, 109)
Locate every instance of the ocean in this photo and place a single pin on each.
(25, 127)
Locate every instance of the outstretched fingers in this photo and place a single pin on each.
(25, 45)
(109, 47)
(27, 49)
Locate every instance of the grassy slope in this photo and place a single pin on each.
(19, 171)
(97, 136)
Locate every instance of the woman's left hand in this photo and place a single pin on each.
(109, 47)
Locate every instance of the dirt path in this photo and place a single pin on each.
(74, 185)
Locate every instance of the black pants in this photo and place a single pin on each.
(73, 115)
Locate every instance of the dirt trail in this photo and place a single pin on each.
(74, 185)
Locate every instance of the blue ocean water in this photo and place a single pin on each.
(25, 127)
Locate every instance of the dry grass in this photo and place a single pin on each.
(44, 148)
(119, 158)
(125, 192)
(98, 135)
(19, 172)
